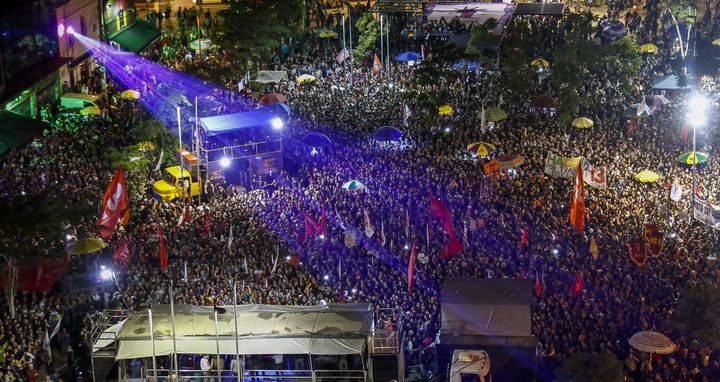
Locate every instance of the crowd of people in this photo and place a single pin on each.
(492, 213)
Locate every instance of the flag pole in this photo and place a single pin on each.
(350, 42)
(240, 372)
(217, 345)
(152, 340)
(174, 335)
(179, 126)
(382, 49)
(343, 24)
(197, 152)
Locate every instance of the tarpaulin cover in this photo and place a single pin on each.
(270, 76)
(477, 13)
(486, 307)
(262, 329)
(228, 123)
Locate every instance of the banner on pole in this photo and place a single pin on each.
(706, 212)
(561, 166)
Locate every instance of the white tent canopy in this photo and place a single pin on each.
(270, 76)
(262, 329)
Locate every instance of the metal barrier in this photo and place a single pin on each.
(256, 375)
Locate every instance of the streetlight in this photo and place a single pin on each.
(697, 115)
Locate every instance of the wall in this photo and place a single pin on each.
(83, 16)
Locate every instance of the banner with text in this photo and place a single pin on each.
(706, 212)
(561, 166)
(594, 176)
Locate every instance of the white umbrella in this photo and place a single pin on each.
(652, 342)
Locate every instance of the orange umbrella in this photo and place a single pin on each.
(271, 98)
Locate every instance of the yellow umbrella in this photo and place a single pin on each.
(716, 42)
(647, 176)
(482, 149)
(130, 94)
(648, 48)
(326, 33)
(87, 246)
(146, 146)
(445, 110)
(582, 123)
(90, 110)
(540, 63)
(306, 78)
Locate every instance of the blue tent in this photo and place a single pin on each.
(316, 140)
(387, 134)
(408, 56)
(471, 65)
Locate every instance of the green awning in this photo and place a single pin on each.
(137, 36)
(17, 130)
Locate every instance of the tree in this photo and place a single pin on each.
(32, 226)
(519, 74)
(368, 31)
(483, 38)
(252, 28)
(698, 313)
(595, 367)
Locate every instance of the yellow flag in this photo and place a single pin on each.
(594, 251)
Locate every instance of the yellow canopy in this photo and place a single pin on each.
(90, 110)
(445, 110)
(87, 246)
(582, 123)
(540, 63)
(648, 48)
(130, 94)
(647, 176)
(482, 149)
(306, 78)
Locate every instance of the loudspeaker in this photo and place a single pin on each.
(386, 368)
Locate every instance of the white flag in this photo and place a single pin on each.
(643, 107)
(406, 115)
(275, 259)
(159, 162)
(676, 192)
(341, 223)
(369, 228)
(342, 56)
(230, 239)
(245, 264)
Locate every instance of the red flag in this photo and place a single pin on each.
(294, 261)
(438, 209)
(208, 223)
(114, 204)
(312, 228)
(638, 252)
(538, 285)
(654, 240)
(411, 268)
(578, 285)
(524, 239)
(163, 251)
(121, 255)
(377, 65)
(453, 247)
(632, 124)
(184, 216)
(323, 223)
(577, 209)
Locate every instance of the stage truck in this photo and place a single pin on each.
(179, 181)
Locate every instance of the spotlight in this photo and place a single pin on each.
(287, 258)
(225, 162)
(326, 277)
(313, 152)
(277, 123)
(61, 30)
(68, 237)
(322, 237)
(102, 267)
(555, 251)
(406, 247)
(70, 30)
(106, 274)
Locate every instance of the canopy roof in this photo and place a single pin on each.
(669, 82)
(228, 123)
(262, 329)
(269, 76)
(137, 36)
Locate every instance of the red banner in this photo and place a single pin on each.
(577, 208)
(114, 204)
(654, 240)
(638, 252)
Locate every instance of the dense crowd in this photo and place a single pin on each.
(492, 213)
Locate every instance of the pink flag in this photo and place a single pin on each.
(411, 268)
(342, 56)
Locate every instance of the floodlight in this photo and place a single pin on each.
(225, 162)
(106, 274)
(406, 247)
(70, 30)
(697, 109)
(326, 277)
(313, 152)
(322, 237)
(287, 258)
(277, 123)
(61, 29)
